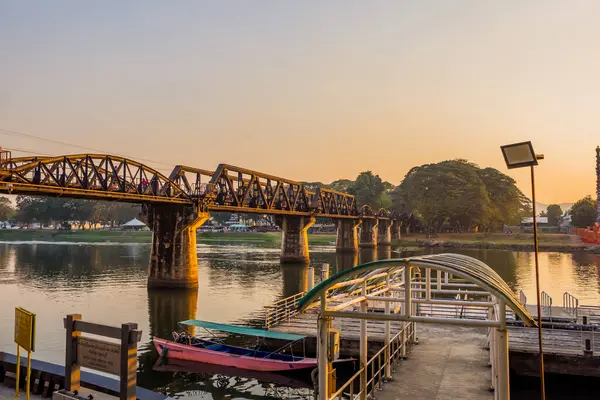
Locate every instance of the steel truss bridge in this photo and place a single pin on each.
(228, 188)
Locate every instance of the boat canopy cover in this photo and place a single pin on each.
(242, 330)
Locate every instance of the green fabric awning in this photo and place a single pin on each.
(242, 330)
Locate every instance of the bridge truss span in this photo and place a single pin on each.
(228, 188)
(175, 206)
(238, 189)
(89, 176)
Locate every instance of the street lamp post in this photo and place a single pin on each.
(519, 155)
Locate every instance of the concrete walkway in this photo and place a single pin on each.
(7, 393)
(449, 363)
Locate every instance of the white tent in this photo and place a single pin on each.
(134, 224)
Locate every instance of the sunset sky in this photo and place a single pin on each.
(309, 90)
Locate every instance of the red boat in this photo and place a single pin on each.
(186, 347)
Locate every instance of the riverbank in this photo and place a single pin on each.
(517, 242)
(146, 237)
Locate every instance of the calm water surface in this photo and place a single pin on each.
(107, 284)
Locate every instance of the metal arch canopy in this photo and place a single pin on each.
(464, 266)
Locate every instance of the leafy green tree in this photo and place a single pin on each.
(554, 214)
(7, 211)
(52, 210)
(543, 214)
(383, 201)
(583, 213)
(113, 213)
(460, 193)
(368, 189)
(508, 205)
(449, 190)
(342, 185)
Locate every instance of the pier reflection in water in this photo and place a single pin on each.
(107, 284)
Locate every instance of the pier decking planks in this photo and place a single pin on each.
(556, 341)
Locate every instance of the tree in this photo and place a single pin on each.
(368, 189)
(342, 185)
(584, 213)
(508, 205)
(449, 190)
(460, 193)
(52, 210)
(554, 213)
(7, 211)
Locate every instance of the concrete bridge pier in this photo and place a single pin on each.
(173, 256)
(294, 239)
(347, 235)
(384, 232)
(368, 233)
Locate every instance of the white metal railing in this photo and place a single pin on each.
(570, 303)
(546, 304)
(282, 310)
(376, 366)
(522, 298)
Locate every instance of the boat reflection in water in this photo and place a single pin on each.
(296, 379)
(198, 379)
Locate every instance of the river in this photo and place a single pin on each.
(107, 284)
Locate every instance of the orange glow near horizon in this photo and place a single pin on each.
(312, 92)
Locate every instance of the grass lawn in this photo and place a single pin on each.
(274, 238)
(549, 239)
(146, 236)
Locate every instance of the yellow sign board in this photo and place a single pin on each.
(25, 329)
(25, 338)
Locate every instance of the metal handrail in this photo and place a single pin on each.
(546, 303)
(570, 303)
(281, 310)
(522, 298)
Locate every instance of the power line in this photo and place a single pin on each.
(30, 136)
(25, 151)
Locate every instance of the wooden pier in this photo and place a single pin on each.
(462, 328)
(449, 363)
(571, 347)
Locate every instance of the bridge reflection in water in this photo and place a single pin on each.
(107, 282)
(176, 206)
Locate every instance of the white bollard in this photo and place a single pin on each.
(324, 272)
(311, 278)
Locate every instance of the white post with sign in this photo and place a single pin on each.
(25, 338)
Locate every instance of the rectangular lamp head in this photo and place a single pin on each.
(519, 155)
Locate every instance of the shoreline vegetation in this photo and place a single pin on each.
(515, 242)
